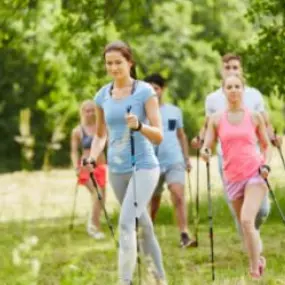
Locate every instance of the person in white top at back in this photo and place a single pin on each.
(216, 101)
(253, 100)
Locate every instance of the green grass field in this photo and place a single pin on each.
(56, 256)
(66, 257)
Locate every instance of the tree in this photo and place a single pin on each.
(50, 54)
(265, 55)
(51, 59)
(182, 44)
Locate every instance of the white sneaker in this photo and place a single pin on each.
(95, 233)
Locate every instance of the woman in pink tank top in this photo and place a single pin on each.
(244, 167)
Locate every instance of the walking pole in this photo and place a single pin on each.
(210, 211)
(99, 196)
(190, 196)
(133, 158)
(279, 150)
(73, 207)
(281, 155)
(275, 201)
(197, 198)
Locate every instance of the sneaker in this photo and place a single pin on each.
(94, 232)
(185, 241)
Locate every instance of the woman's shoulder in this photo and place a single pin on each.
(103, 89)
(76, 130)
(102, 93)
(143, 85)
(144, 90)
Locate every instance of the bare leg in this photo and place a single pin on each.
(96, 204)
(254, 195)
(97, 208)
(236, 207)
(154, 206)
(178, 199)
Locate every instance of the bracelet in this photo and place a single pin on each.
(267, 167)
(138, 128)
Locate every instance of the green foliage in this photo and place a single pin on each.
(265, 54)
(194, 33)
(188, 63)
(276, 109)
(222, 23)
(51, 58)
(39, 50)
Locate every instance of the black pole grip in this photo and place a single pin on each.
(91, 161)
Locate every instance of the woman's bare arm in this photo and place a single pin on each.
(74, 146)
(210, 135)
(153, 131)
(100, 137)
(263, 137)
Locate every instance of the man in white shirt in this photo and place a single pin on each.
(253, 100)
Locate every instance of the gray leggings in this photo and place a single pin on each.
(146, 180)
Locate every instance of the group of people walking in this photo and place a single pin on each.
(147, 147)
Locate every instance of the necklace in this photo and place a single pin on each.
(119, 93)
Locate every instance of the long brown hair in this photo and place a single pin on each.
(126, 52)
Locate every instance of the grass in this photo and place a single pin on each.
(71, 257)
(38, 205)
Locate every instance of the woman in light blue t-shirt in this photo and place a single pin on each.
(112, 102)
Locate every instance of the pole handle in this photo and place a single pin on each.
(91, 161)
